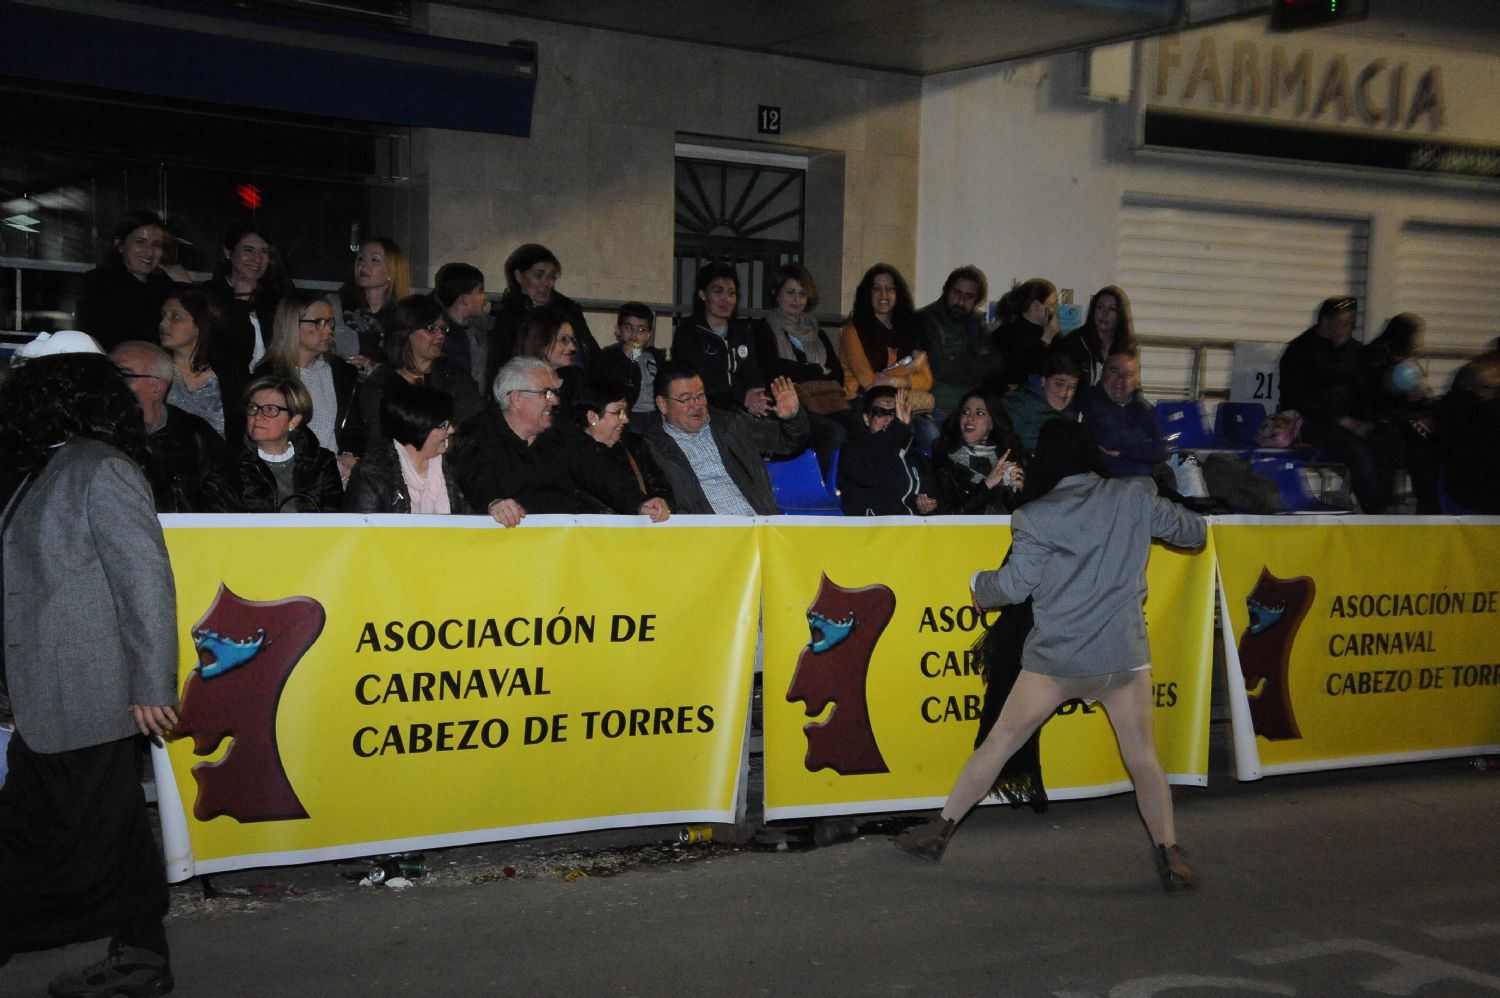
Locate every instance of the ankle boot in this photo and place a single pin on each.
(1172, 867)
(928, 840)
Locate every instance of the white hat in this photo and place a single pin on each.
(62, 341)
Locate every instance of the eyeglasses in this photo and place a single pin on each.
(882, 412)
(550, 394)
(437, 326)
(617, 413)
(269, 411)
(319, 323)
(688, 399)
(131, 376)
(567, 341)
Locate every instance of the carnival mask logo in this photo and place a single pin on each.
(844, 626)
(246, 653)
(1276, 607)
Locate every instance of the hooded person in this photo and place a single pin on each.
(1079, 547)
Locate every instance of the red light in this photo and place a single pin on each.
(249, 196)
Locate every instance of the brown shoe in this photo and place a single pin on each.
(1172, 866)
(928, 840)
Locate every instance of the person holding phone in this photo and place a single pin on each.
(1028, 327)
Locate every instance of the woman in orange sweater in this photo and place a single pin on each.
(879, 345)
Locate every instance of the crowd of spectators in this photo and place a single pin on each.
(258, 396)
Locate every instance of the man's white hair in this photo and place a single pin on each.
(159, 361)
(516, 375)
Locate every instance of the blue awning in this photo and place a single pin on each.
(262, 60)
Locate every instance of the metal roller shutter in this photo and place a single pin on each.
(1230, 273)
(1448, 275)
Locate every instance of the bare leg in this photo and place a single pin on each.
(1129, 705)
(1031, 702)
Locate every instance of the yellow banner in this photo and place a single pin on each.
(871, 702)
(1356, 641)
(349, 690)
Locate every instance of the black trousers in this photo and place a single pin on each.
(78, 859)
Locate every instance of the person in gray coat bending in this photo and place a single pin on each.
(1079, 549)
(90, 665)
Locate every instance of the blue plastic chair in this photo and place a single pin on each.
(1183, 425)
(833, 478)
(1235, 423)
(799, 487)
(1447, 504)
(1286, 472)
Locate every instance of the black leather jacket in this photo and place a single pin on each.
(377, 485)
(315, 479)
(189, 469)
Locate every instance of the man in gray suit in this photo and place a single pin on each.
(713, 463)
(90, 664)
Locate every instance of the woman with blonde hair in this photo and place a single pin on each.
(302, 347)
(381, 277)
(281, 467)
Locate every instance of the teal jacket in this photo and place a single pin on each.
(1029, 410)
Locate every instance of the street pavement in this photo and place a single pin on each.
(1378, 881)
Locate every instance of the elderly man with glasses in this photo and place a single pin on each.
(713, 462)
(512, 461)
(189, 467)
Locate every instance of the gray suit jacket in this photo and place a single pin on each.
(741, 440)
(90, 607)
(1081, 551)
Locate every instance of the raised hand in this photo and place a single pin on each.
(903, 405)
(757, 402)
(785, 391)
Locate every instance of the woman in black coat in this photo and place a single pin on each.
(122, 297)
(975, 462)
(281, 467)
(720, 345)
(531, 274)
(247, 284)
(601, 410)
(406, 470)
(415, 332)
